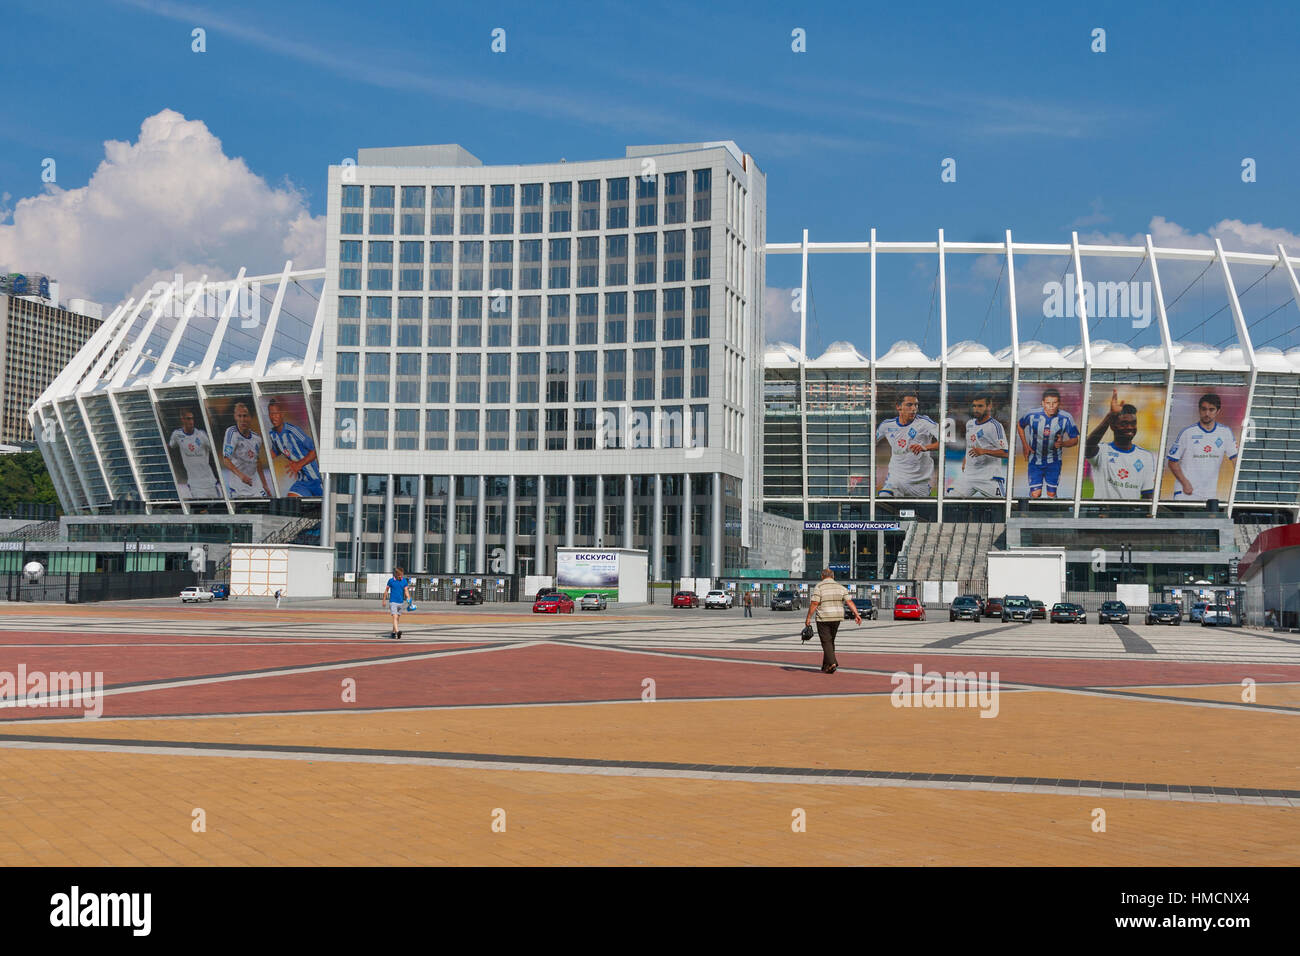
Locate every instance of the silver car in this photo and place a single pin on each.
(593, 602)
(1217, 615)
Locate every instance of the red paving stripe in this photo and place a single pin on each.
(1061, 672)
(537, 674)
(121, 665)
(255, 632)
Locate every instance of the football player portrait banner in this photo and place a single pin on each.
(977, 447)
(907, 439)
(192, 451)
(1047, 437)
(291, 445)
(1121, 448)
(241, 446)
(1205, 423)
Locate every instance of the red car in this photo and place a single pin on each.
(686, 599)
(553, 604)
(908, 609)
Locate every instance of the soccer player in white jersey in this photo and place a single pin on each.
(983, 470)
(1199, 451)
(1120, 469)
(239, 457)
(195, 448)
(911, 438)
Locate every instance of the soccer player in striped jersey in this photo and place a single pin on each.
(1044, 436)
(299, 452)
(1199, 451)
(983, 470)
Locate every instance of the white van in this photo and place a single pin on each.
(195, 594)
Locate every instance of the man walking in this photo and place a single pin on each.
(396, 593)
(749, 604)
(277, 599)
(827, 603)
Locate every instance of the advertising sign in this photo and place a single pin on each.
(291, 444)
(585, 572)
(1048, 425)
(906, 439)
(191, 449)
(1122, 448)
(242, 446)
(978, 445)
(1204, 435)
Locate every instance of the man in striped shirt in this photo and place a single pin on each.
(298, 450)
(1044, 436)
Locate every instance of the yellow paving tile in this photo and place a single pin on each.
(1266, 695)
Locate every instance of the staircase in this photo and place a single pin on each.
(298, 531)
(953, 551)
(37, 531)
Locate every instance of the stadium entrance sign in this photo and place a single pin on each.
(851, 526)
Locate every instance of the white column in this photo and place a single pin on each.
(388, 523)
(685, 536)
(510, 526)
(356, 522)
(480, 528)
(598, 531)
(628, 527)
(449, 539)
(715, 544)
(539, 563)
(568, 511)
(657, 530)
(417, 542)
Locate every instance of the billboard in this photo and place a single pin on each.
(191, 449)
(978, 445)
(584, 572)
(242, 447)
(1205, 423)
(1047, 436)
(291, 444)
(1122, 447)
(907, 438)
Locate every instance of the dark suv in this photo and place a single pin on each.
(469, 596)
(785, 601)
(865, 608)
(964, 608)
(1016, 607)
(1165, 614)
(1113, 612)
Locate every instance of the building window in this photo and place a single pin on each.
(438, 367)
(616, 196)
(584, 376)
(440, 254)
(700, 251)
(559, 263)
(439, 333)
(412, 210)
(466, 429)
(471, 266)
(443, 201)
(435, 429)
(672, 372)
(674, 314)
(561, 207)
(643, 316)
(530, 263)
(647, 201)
(503, 210)
(703, 195)
(616, 260)
(375, 434)
(469, 326)
(588, 308)
(588, 261)
(501, 273)
(498, 378)
(497, 429)
(526, 429)
(557, 377)
(615, 375)
(615, 317)
(467, 372)
(643, 375)
(646, 244)
(529, 376)
(406, 430)
(699, 371)
(700, 312)
(557, 323)
(584, 431)
(557, 429)
(674, 198)
(471, 210)
(530, 320)
(530, 208)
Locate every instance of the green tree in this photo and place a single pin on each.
(24, 480)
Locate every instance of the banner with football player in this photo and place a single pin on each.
(1047, 436)
(1122, 446)
(291, 444)
(240, 446)
(192, 451)
(1205, 423)
(907, 440)
(978, 447)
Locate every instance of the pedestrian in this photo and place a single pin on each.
(277, 599)
(749, 604)
(827, 603)
(396, 593)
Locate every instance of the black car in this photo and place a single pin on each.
(865, 608)
(1040, 609)
(1165, 614)
(1113, 612)
(785, 601)
(1016, 607)
(543, 592)
(964, 608)
(1064, 613)
(469, 596)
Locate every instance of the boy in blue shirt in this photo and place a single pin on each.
(396, 593)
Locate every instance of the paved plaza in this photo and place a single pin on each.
(236, 734)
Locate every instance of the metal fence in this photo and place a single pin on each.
(89, 587)
(496, 589)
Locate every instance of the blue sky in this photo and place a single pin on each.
(1048, 136)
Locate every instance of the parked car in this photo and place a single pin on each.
(543, 592)
(593, 602)
(866, 609)
(686, 599)
(1165, 614)
(964, 608)
(1113, 612)
(469, 596)
(1197, 612)
(719, 599)
(785, 601)
(1016, 607)
(993, 607)
(553, 604)
(220, 592)
(979, 599)
(1217, 615)
(1065, 613)
(195, 594)
(1040, 610)
(909, 609)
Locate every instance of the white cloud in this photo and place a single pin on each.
(779, 317)
(171, 201)
(1237, 236)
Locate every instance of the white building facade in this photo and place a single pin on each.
(518, 358)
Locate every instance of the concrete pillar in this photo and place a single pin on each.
(417, 544)
(880, 554)
(568, 511)
(449, 554)
(356, 523)
(539, 565)
(628, 526)
(510, 526)
(388, 523)
(657, 530)
(480, 528)
(598, 530)
(685, 535)
(826, 553)
(715, 542)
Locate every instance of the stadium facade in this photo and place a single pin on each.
(496, 361)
